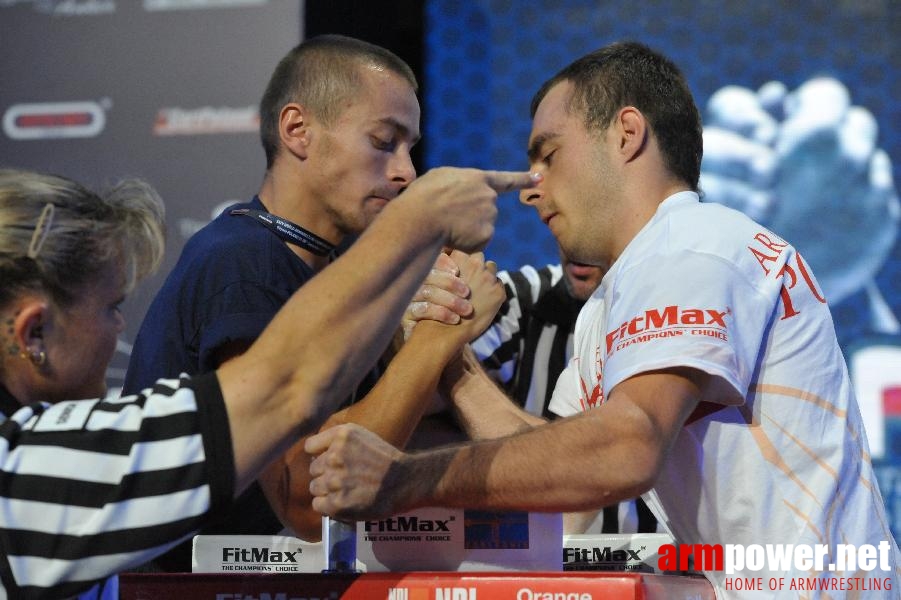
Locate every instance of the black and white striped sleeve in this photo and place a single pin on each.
(500, 346)
(91, 488)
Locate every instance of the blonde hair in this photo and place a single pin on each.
(56, 236)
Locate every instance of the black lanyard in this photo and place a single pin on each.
(288, 231)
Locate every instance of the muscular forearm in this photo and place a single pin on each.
(605, 455)
(559, 467)
(395, 405)
(597, 458)
(481, 407)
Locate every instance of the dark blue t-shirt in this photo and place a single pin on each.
(230, 280)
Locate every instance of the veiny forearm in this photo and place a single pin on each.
(597, 458)
(395, 405)
(600, 457)
(573, 464)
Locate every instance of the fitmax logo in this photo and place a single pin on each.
(669, 317)
(605, 554)
(259, 555)
(416, 524)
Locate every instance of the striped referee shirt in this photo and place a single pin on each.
(528, 345)
(94, 487)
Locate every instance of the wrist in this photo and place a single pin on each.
(417, 214)
(442, 340)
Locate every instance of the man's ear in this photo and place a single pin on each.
(632, 128)
(294, 129)
(28, 326)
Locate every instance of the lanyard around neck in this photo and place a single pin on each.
(288, 231)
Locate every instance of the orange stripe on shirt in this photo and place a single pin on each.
(769, 388)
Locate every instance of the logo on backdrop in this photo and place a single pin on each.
(52, 120)
(206, 120)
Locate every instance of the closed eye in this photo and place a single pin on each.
(546, 159)
(382, 144)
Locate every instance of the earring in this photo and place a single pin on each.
(37, 357)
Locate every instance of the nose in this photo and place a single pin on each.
(530, 195)
(120, 323)
(401, 169)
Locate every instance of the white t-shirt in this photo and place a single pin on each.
(784, 459)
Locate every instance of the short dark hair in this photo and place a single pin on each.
(631, 74)
(321, 73)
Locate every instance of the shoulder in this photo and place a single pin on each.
(234, 249)
(225, 232)
(688, 232)
(709, 224)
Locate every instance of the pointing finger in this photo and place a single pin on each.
(507, 181)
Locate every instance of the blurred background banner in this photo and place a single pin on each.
(801, 105)
(166, 90)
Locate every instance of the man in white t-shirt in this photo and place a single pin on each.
(706, 372)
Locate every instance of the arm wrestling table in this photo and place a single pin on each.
(414, 586)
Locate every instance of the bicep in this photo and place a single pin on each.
(658, 403)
